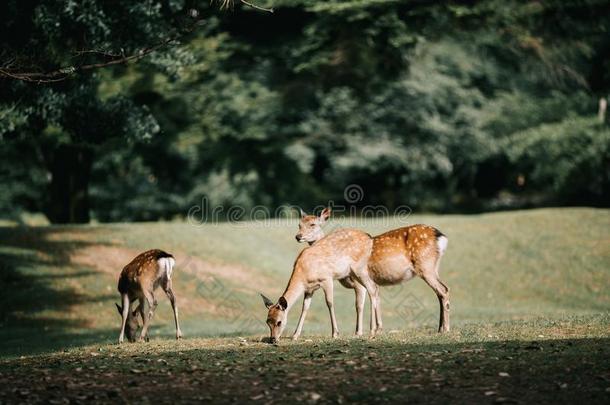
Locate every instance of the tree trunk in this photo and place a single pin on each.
(601, 112)
(70, 168)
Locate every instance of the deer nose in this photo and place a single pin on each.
(298, 237)
(273, 340)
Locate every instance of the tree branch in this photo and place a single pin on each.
(269, 10)
(67, 71)
(225, 4)
(98, 52)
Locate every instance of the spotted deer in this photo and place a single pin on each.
(138, 282)
(334, 257)
(398, 255)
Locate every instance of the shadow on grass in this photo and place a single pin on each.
(36, 303)
(344, 371)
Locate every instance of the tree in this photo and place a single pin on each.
(51, 53)
(421, 103)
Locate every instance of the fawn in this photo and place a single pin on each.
(333, 257)
(138, 281)
(398, 255)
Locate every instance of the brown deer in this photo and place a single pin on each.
(397, 256)
(334, 257)
(138, 281)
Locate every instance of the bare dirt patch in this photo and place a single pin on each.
(191, 293)
(111, 259)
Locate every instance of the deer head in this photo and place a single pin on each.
(276, 317)
(132, 325)
(310, 226)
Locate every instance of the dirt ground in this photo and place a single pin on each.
(315, 370)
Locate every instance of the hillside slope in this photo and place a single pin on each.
(59, 283)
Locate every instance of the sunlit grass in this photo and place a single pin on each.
(524, 265)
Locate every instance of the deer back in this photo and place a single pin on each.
(144, 271)
(334, 255)
(404, 252)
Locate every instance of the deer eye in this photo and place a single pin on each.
(279, 323)
(312, 225)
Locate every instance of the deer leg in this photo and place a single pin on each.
(124, 315)
(442, 292)
(376, 323)
(140, 309)
(360, 292)
(172, 299)
(152, 304)
(373, 290)
(360, 298)
(361, 274)
(328, 288)
(378, 311)
(306, 303)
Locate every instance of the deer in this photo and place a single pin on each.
(138, 281)
(397, 256)
(333, 257)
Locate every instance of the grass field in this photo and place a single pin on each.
(530, 311)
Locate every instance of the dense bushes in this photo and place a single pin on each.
(569, 160)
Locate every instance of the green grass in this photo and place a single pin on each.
(515, 277)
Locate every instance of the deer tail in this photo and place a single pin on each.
(167, 263)
(441, 242)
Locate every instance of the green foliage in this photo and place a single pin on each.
(23, 180)
(47, 36)
(431, 105)
(515, 111)
(580, 151)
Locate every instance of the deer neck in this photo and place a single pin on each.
(293, 291)
(321, 236)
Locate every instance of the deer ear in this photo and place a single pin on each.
(283, 303)
(119, 308)
(303, 213)
(325, 214)
(267, 301)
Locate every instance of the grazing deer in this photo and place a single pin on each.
(333, 257)
(138, 281)
(397, 256)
